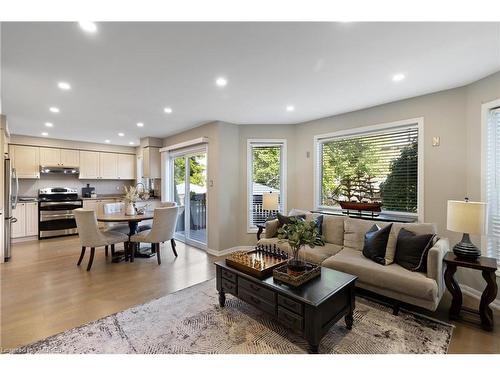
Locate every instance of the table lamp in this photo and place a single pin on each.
(467, 218)
(270, 202)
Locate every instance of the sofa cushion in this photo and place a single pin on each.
(417, 228)
(392, 277)
(333, 229)
(355, 230)
(376, 243)
(271, 228)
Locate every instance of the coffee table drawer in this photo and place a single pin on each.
(256, 289)
(228, 286)
(290, 319)
(260, 303)
(290, 304)
(228, 275)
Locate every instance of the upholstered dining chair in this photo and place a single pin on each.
(164, 223)
(90, 235)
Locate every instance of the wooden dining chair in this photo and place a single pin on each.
(90, 235)
(164, 223)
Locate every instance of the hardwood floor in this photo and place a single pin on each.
(44, 293)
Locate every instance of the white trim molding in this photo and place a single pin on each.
(476, 294)
(191, 142)
(417, 122)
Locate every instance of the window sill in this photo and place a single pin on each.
(382, 216)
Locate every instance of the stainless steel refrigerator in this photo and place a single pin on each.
(11, 190)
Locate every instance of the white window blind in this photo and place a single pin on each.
(374, 166)
(493, 184)
(266, 173)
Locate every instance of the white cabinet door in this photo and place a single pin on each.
(70, 158)
(26, 160)
(90, 204)
(50, 157)
(151, 162)
(89, 165)
(31, 218)
(108, 165)
(18, 229)
(126, 167)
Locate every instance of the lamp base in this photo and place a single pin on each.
(466, 249)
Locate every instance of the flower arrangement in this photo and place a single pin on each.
(131, 194)
(299, 233)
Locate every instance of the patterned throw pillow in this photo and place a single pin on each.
(376, 243)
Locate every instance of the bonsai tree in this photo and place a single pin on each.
(299, 233)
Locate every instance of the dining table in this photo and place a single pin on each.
(133, 225)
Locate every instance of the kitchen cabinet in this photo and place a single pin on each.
(108, 166)
(151, 162)
(70, 158)
(57, 157)
(26, 160)
(27, 220)
(89, 165)
(126, 167)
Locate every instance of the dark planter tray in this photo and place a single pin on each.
(281, 274)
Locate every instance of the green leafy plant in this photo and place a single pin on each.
(300, 232)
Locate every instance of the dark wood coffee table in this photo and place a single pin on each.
(310, 309)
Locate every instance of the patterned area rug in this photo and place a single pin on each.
(191, 321)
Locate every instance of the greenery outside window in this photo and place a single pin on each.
(266, 172)
(378, 164)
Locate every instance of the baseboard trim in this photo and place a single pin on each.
(476, 294)
(24, 239)
(219, 253)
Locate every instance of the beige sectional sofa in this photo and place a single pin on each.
(344, 240)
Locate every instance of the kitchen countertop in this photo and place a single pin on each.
(100, 196)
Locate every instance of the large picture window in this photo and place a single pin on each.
(265, 174)
(378, 165)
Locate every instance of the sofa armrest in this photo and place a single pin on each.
(435, 268)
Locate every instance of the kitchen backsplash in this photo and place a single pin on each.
(29, 187)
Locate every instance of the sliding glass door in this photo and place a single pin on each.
(189, 191)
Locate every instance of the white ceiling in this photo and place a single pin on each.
(128, 72)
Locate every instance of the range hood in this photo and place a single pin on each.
(59, 170)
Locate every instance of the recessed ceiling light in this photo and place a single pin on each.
(49, 124)
(64, 86)
(45, 134)
(221, 82)
(131, 143)
(88, 26)
(107, 141)
(398, 77)
(121, 134)
(290, 108)
(140, 124)
(54, 109)
(167, 110)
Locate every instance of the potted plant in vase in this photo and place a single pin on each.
(131, 196)
(299, 233)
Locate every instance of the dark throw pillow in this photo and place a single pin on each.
(282, 219)
(376, 243)
(319, 224)
(412, 250)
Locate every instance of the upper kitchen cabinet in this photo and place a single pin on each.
(108, 165)
(126, 167)
(89, 165)
(52, 157)
(26, 160)
(151, 162)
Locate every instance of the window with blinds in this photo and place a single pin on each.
(266, 174)
(493, 184)
(371, 167)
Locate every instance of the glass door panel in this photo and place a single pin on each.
(179, 193)
(197, 223)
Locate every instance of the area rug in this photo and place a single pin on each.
(191, 321)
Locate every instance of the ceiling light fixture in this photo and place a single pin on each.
(221, 82)
(121, 134)
(140, 124)
(131, 143)
(64, 86)
(54, 109)
(107, 141)
(49, 124)
(88, 26)
(45, 134)
(290, 108)
(167, 110)
(398, 77)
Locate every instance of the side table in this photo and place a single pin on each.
(488, 267)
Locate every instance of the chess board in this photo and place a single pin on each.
(259, 262)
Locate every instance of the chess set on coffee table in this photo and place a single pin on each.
(259, 262)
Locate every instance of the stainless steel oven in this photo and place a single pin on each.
(55, 212)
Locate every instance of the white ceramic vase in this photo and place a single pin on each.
(130, 209)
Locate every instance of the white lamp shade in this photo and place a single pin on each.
(466, 217)
(270, 201)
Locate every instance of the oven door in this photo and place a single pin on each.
(57, 219)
